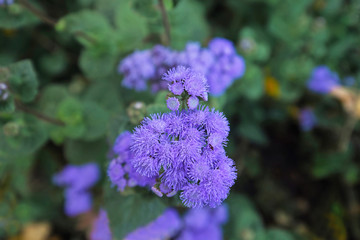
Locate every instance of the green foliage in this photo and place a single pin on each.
(16, 16)
(134, 210)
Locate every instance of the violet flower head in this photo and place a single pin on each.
(182, 79)
(307, 119)
(227, 67)
(323, 80)
(173, 103)
(162, 228)
(121, 173)
(77, 180)
(204, 223)
(137, 69)
(101, 229)
(188, 148)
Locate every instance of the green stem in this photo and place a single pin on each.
(166, 23)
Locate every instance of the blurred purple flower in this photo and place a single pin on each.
(307, 119)
(323, 80)
(162, 228)
(77, 202)
(8, 2)
(101, 229)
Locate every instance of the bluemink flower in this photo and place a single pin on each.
(182, 79)
(203, 223)
(173, 103)
(77, 180)
(307, 119)
(4, 93)
(184, 151)
(162, 228)
(100, 229)
(227, 67)
(323, 80)
(137, 69)
(121, 173)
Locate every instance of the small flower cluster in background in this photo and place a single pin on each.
(77, 180)
(120, 171)
(220, 64)
(8, 2)
(4, 93)
(196, 224)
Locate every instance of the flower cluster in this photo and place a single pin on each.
(220, 64)
(323, 80)
(184, 80)
(204, 223)
(164, 227)
(4, 94)
(185, 151)
(8, 2)
(307, 119)
(120, 171)
(100, 228)
(77, 180)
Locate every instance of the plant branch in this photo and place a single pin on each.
(166, 22)
(37, 12)
(39, 115)
(353, 206)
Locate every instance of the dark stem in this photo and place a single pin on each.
(166, 22)
(353, 210)
(39, 115)
(37, 12)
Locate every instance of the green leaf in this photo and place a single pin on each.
(51, 97)
(131, 26)
(126, 213)
(278, 234)
(95, 120)
(188, 23)
(251, 85)
(253, 132)
(79, 152)
(23, 80)
(15, 16)
(32, 135)
(97, 65)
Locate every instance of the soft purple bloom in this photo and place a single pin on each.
(8, 2)
(188, 147)
(323, 80)
(100, 228)
(162, 228)
(77, 202)
(4, 93)
(307, 119)
(173, 103)
(78, 177)
(203, 223)
(192, 102)
(121, 173)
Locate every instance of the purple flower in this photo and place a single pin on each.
(121, 173)
(307, 119)
(77, 180)
(78, 177)
(4, 93)
(77, 202)
(100, 229)
(323, 80)
(203, 223)
(187, 147)
(8, 2)
(162, 228)
(173, 103)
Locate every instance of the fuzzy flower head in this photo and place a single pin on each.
(307, 119)
(323, 80)
(185, 152)
(121, 173)
(173, 103)
(194, 84)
